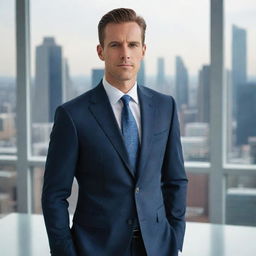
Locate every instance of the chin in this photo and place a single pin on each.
(127, 77)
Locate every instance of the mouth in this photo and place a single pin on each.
(125, 65)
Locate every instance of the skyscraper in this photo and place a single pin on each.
(252, 143)
(204, 94)
(181, 83)
(160, 79)
(48, 81)
(68, 90)
(239, 63)
(246, 113)
(230, 122)
(141, 74)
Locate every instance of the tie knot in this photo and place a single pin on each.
(126, 99)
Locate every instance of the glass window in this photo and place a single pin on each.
(241, 200)
(197, 199)
(7, 79)
(65, 64)
(7, 190)
(37, 181)
(241, 81)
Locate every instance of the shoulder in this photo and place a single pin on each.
(81, 102)
(78, 101)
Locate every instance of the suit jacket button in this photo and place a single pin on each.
(137, 190)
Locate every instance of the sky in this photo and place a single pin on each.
(173, 28)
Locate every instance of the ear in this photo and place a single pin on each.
(100, 52)
(144, 47)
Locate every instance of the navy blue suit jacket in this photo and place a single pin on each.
(86, 143)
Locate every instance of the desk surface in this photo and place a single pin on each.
(25, 235)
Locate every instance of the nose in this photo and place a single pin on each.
(125, 53)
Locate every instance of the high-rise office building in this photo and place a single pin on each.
(204, 94)
(181, 82)
(246, 113)
(48, 81)
(160, 78)
(141, 74)
(68, 89)
(97, 75)
(252, 144)
(230, 126)
(239, 63)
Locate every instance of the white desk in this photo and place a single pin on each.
(25, 235)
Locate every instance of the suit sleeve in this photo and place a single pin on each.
(58, 178)
(174, 179)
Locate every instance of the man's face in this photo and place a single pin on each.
(122, 52)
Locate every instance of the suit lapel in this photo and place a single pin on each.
(147, 109)
(103, 113)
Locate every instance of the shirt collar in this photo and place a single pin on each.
(115, 94)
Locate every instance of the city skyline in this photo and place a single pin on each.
(168, 35)
(196, 148)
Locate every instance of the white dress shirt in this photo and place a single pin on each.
(115, 95)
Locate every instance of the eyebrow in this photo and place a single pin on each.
(131, 42)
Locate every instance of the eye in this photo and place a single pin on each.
(113, 45)
(133, 45)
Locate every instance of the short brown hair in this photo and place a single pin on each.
(120, 15)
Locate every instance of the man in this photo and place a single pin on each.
(122, 143)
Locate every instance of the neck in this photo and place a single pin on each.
(123, 86)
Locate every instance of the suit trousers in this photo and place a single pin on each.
(137, 247)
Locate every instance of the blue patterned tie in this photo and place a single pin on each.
(130, 132)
